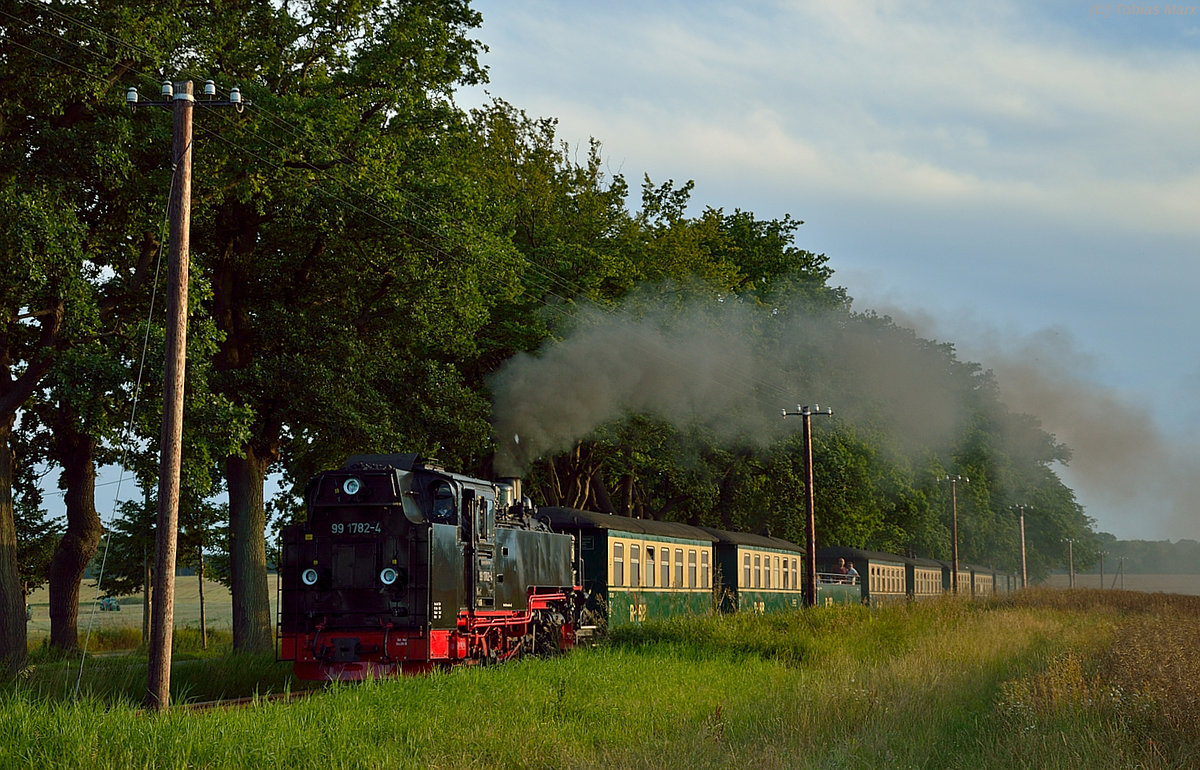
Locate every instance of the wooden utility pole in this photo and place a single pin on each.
(158, 685)
(162, 628)
(1020, 508)
(810, 529)
(954, 527)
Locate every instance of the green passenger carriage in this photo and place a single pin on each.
(964, 578)
(633, 570)
(924, 578)
(756, 573)
(983, 582)
(882, 577)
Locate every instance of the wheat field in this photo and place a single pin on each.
(1167, 584)
(218, 608)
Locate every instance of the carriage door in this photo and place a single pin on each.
(479, 537)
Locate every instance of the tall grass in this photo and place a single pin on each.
(1046, 681)
(113, 674)
(184, 641)
(1135, 704)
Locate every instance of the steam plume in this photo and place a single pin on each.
(1135, 479)
(709, 364)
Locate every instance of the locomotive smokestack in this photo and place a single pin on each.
(514, 482)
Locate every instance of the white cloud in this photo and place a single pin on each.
(896, 102)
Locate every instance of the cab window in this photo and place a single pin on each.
(443, 503)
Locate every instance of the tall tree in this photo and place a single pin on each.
(347, 269)
(72, 233)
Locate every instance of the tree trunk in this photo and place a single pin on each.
(627, 494)
(12, 601)
(80, 541)
(248, 552)
(552, 492)
(203, 621)
(600, 491)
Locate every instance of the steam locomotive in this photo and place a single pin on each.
(402, 567)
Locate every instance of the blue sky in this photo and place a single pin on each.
(1019, 178)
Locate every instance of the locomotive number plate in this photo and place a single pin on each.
(356, 528)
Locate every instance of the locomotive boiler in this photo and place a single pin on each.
(402, 567)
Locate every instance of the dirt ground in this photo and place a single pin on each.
(1168, 584)
(218, 608)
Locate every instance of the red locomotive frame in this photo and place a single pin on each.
(480, 638)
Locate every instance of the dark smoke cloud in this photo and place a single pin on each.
(1135, 479)
(706, 364)
(695, 368)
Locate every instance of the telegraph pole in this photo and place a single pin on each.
(810, 531)
(179, 99)
(954, 525)
(1024, 574)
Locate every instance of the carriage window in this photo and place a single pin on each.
(443, 503)
(746, 571)
(679, 567)
(787, 574)
(704, 569)
(778, 573)
(635, 566)
(757, 571)
(650, 565)
(766, 572)
(666, 568)
(618, 564)
(691, 569)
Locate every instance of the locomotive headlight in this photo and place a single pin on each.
(309, 577)
(388, 576)
(351, 486)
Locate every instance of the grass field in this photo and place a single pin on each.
(1038, 679)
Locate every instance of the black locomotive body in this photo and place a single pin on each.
(402, 567)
